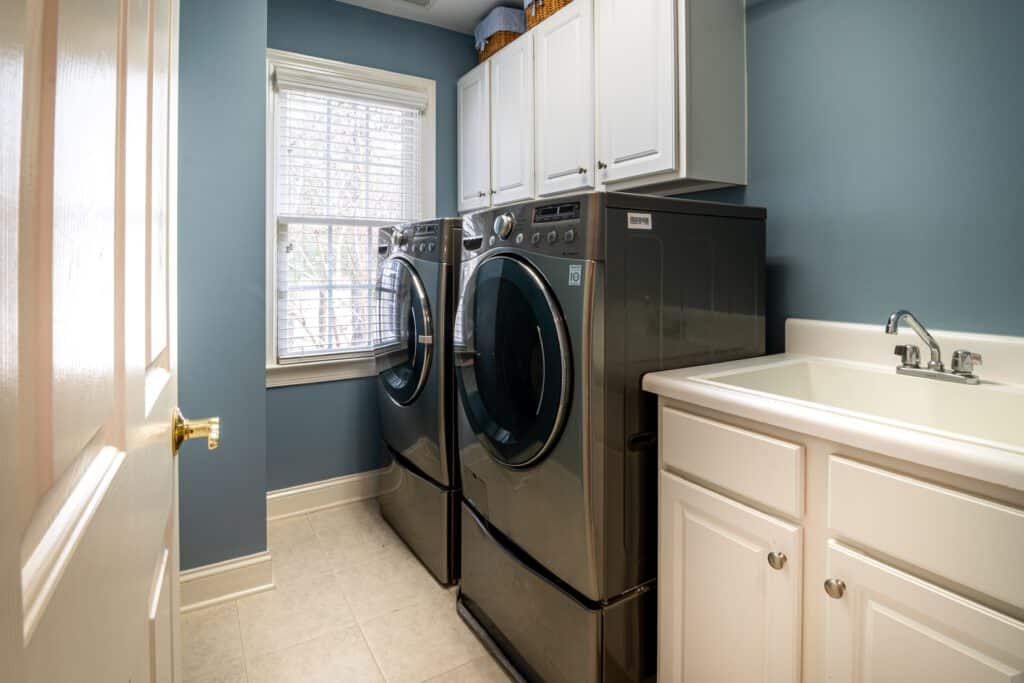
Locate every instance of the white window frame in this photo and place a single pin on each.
(349, 366)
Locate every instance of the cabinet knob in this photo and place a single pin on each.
(601, 165)
(582, 171)
(481, 194)
(777, 560)
(835, 588)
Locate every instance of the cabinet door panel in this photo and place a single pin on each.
(637, 87)
(565, 100)
(724, 614)
(512, 122)
(475, 139)
(892, 627)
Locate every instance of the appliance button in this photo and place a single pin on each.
(519, 238)
(535, 240)
(570, 235)
(431, 246)
(493, 240)
(552, 237)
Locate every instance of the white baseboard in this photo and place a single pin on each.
(320, 495)
(225, 581)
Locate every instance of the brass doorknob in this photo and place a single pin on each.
(182, 429)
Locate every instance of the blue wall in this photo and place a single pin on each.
(328, 430)
(221, 275)
(886, 142)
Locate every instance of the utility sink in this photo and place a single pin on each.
(989, 413)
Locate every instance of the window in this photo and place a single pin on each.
(350, 150)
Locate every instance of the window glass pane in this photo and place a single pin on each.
(343, 168)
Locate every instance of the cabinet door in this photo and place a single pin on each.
(565, 99)
(475, 139)
(892, 627)
(724, 614)
(637, 87)
(512, 122)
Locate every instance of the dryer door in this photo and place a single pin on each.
(405, 341)
(513, 364)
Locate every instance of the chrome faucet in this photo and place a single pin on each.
(910, 356)
(893, 327)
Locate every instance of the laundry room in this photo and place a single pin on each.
(582, 341)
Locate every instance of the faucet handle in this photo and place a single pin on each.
(964, 362)
(909, 355)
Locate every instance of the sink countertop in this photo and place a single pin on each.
(963, 454)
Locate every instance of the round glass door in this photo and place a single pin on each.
(514, 365)
(404, 332)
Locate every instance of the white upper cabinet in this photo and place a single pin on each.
(729, 589)
(512, 122)
(564, 49)
(636, 55)
(474, 139)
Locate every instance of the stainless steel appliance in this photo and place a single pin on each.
(416, 291)
(565, 304)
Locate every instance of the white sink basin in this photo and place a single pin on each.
(989, 413)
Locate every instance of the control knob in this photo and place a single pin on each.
(504, 225)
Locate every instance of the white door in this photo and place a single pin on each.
(891, 627)
(512, 122)
(88, 549)
(727, 612)
(474, 95)
(564, 72)
(637, 86)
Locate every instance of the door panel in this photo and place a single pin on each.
(637, 87)
(512, 165)
(890, 627)
(565, 99)
(475, 139)
(724, 614)
(93, 477)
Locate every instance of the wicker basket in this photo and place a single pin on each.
(541, 10)
(496, 42)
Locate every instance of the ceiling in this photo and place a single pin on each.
(457, 15)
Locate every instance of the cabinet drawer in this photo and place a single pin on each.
(758, 467)
(969, 540)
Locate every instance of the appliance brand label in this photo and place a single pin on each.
(638, 221)
(575, 275)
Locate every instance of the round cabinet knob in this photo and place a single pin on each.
(835, 588)
(481, 194)
(504, 225)
(776, 560)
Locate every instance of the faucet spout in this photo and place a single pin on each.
(901, 316)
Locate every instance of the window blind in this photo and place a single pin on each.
(345, 166)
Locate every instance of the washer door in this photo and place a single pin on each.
(404, 332)
(514, 365)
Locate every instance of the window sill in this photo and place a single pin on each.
(294, 374)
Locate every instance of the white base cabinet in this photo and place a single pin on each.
(892, 575)
(727, 612)
(890, 627)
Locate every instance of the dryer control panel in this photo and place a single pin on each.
(437, 241)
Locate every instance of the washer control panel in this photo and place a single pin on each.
(566, 228)
(427, 240)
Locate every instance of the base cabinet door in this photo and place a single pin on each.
(512, 165)
(474, 104)
(564, 54)
(886, 626)
(729, 584)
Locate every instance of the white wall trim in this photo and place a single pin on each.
(226, 581)
(320, 495)
(291, 374)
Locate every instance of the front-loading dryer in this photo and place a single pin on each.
(416, 289)
(564, 305)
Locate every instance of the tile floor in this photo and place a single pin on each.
(351, 604)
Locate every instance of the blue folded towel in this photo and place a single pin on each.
(500, 19)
